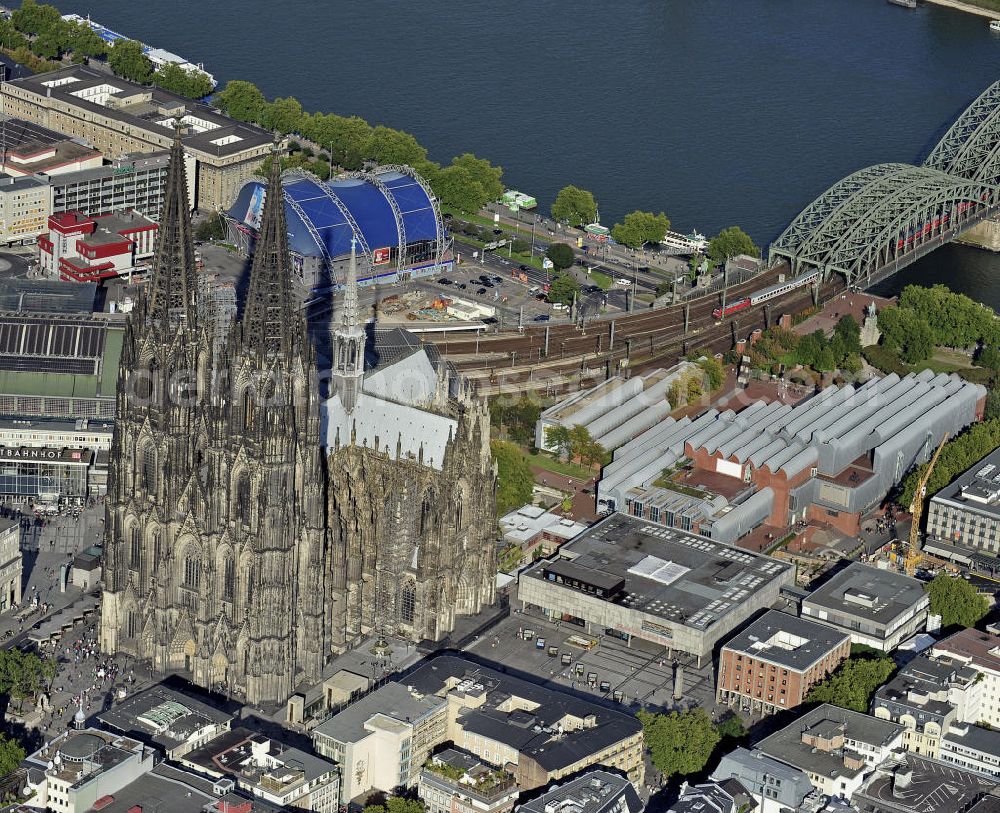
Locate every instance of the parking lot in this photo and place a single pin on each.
(636, 676)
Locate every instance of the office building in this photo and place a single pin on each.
(962, 517)
(382, 740)
(25, 204)
(725, 796)
(629, 577)
(120, 117)
(972, 747)
(836, 748)
(538, 734)
(77, 248)
(878, 608)
(30, 149)
(772, 664)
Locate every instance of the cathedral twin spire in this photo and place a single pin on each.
(268, 316)
(171, 297)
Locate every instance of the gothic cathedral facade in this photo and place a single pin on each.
(255, 527)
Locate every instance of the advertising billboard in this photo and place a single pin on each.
(255, 207)
(380, 256)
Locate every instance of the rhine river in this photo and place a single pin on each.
(718, 112)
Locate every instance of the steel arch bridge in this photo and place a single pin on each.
(880, 219)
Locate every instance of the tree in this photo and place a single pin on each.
(992, 409)
(242, 101)
(904, 330)
(956, 601)
(128, 61)
(483, 172)
(562, 255)
(574, 206)
(515, 481)
(849, 332)
(639, 228)
(457, 188)
(211, 228)
(23, 674)
(989, 357)
(853, 684)
(563, 288)
(284, 115)
(192, 84)
(388, 146)
(11, 755)
(679, 743)
(557, 437)
(714, 371)
(397, 804)
(518, 419)
(730, 243)
(36, 18)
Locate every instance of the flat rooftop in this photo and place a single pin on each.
(232, 754)
(787, 640)
(977, 489)
(934, 787)
(393, 700)
(685, 578)
(502, 712)
(982, 649)
(592, 792)
(162, 715)
(149, 108)
(867, 592)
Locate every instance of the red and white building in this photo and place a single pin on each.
(90, 249)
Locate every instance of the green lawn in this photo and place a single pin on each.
(944, 361)
(600, 279)
(549, 463)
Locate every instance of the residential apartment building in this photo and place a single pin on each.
(836, 748)
(725, 796)
(382, 740)
(11, 565)
(979, 651)
(878, 608)
(70, 773)
(120, 117)
(918, 699)
(453, 781)
(773, 785)
(594, 791)
(25, 204)
(772, 664)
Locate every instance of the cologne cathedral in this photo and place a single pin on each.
(267, 509)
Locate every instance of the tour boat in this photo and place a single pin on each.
(994, 25)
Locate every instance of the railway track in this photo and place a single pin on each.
(641, 341)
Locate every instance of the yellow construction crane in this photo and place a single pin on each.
(913, 554)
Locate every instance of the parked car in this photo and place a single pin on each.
(481, 291)
(542, 317)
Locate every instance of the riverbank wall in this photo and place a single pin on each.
(967, 7)
(983, 235)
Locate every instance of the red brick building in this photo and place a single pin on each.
(771, 665)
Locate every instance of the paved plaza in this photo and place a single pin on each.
(640, 675)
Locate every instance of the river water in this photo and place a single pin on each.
(718, 112)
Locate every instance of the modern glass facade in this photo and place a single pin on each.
(61, 473)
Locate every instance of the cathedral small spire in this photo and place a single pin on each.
(349, 340)
(268, 315)
(171, 295)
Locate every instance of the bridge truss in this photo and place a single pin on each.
(883, 217)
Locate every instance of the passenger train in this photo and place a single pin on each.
(766, 293)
